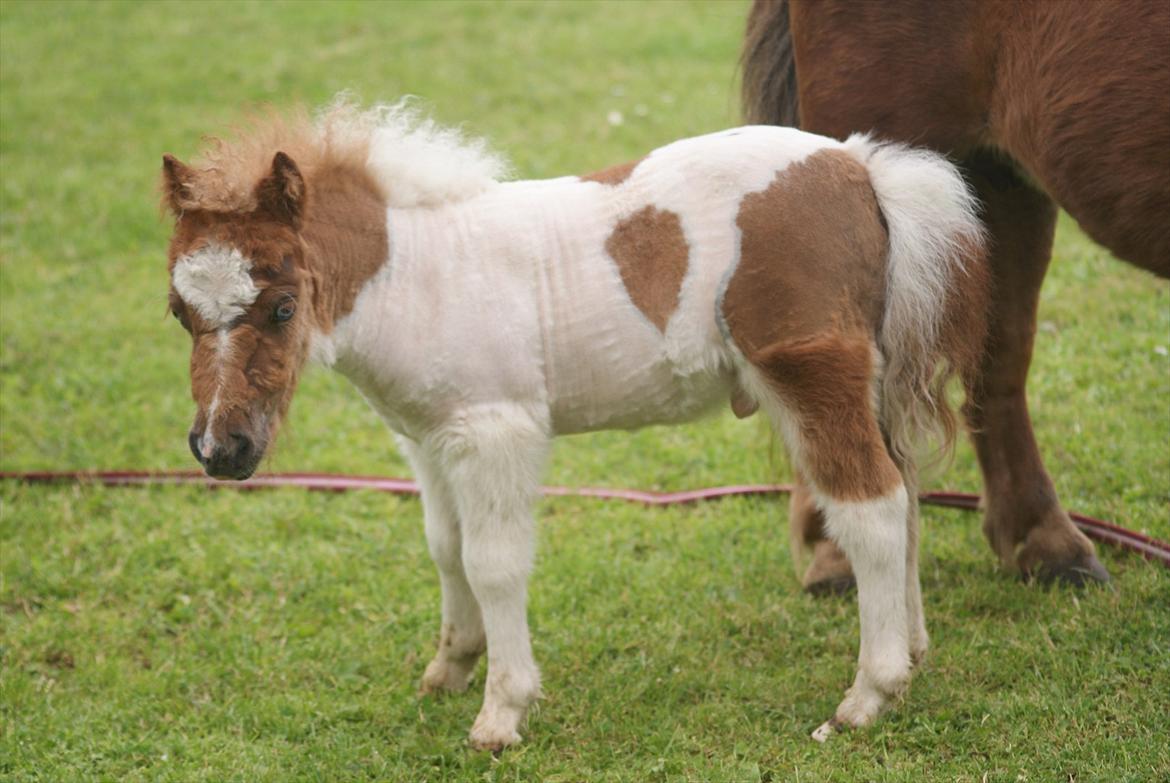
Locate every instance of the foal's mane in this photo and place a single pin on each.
(414, 161)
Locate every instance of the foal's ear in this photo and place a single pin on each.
(177, 179)
(282, 192)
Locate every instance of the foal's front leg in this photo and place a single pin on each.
(493, 459)
(461, 636)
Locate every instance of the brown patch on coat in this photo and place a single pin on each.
(812, 255)
(346, 238)
(804, 306)
(651, 253)
(827, 382)
(614, 175)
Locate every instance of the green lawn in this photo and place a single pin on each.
(175, 634)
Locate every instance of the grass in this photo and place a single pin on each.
(172, 634)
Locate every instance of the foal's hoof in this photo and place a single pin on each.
(826, 730)
(444, 676)
(836, 585)
(829, 573)
(496, 727)
(485, 738)
(1076, 573)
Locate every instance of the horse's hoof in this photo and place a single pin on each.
(1053, 551)
(829, 573)
(1076, 573)
(444, 676)
(493, 742)
(835, 585)
(825, 730)
(495, 728)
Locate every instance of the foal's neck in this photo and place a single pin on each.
(345, 237)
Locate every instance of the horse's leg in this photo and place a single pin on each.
(461, 636)
(818, 393)
(919, 640)
(492, 460)
(1024, 521)
(829, 572)
(873, 533)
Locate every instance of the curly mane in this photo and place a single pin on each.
(414, 161)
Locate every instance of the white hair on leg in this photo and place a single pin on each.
(918, 638)
(873, 534)
(493, 456)
(461, 634)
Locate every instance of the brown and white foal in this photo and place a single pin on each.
(834, 285)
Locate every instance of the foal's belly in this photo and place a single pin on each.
(656, 398)
(625, 380)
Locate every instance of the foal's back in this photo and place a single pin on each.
(603, 293)
(633, 328)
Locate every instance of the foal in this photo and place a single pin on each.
(834, 285)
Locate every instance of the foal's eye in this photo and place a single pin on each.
(284, 310)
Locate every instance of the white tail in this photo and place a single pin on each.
(936, 288)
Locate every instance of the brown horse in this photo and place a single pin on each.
(1042, 104)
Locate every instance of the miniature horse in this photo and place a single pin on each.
(835, 285)
(1042, 103)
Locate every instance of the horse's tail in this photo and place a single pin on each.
(768, 89)
(937, 291)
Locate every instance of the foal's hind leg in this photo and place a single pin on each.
(918, 639)
(820, 394)
(829, 573)
(461, 635)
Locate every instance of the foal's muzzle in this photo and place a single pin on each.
(235, 458)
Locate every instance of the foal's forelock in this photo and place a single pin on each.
(216, 282)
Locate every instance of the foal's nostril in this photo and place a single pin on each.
(233, 457)
(193, 442)
(242, 444)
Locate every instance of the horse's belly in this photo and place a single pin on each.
(615, 372)
(617, 399)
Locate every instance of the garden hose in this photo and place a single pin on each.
(1106, 533)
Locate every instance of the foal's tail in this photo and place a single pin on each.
(768, 90)
(937, 290)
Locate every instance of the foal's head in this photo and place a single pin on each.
(241, 289)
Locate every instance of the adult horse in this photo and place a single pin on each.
(1043, 104)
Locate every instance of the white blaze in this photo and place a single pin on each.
(215, 280)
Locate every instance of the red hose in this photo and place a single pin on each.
(1149, 548)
